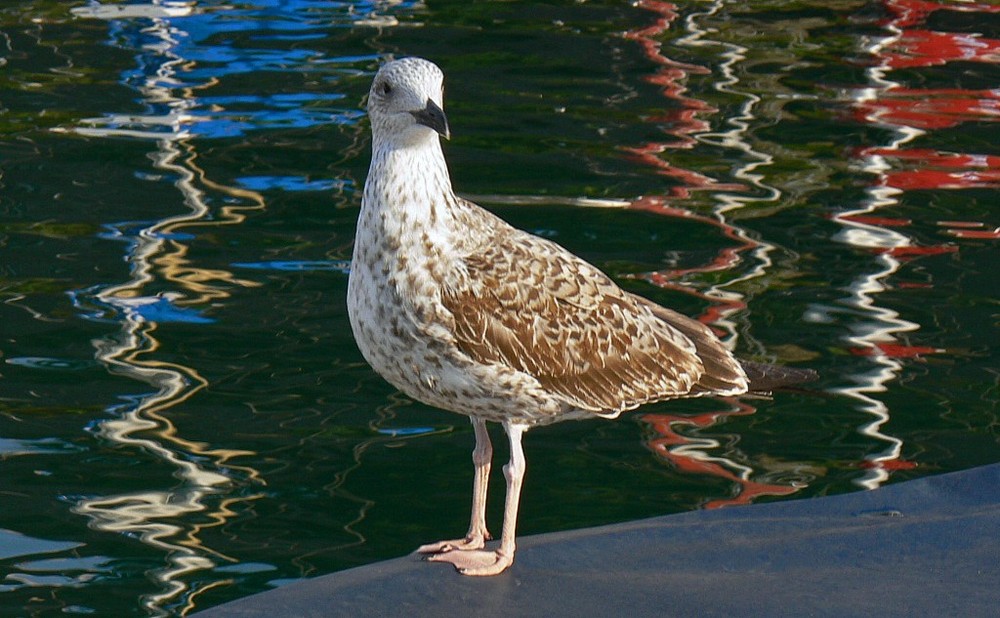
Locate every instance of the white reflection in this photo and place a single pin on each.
(165, 519)
(155, 9)
(738, 137)
(873, 324)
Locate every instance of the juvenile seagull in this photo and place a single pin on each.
(461, 311)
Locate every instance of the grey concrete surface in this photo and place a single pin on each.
(929, 547)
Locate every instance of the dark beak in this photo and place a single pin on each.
(433, 117)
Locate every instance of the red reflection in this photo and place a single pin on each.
(692, 181)
(976, 234)
(970, 230)
(930, 108)
(936, 157)
(939, 170)
(924, 48)
(894, 350)
(888, 464)
(909, 252)
(889, 101)
(726, 258)
(666, 446)
(681, 123)
(912, 12)
(909, 180)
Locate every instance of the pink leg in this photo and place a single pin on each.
(482, 456)
(485, 562)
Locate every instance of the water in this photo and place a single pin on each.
(184, 418)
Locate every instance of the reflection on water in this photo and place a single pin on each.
(878, 332)
(184, 416)
(173, 75)
(165, 285)
(739, 265)
(157, 258)
(689, 452)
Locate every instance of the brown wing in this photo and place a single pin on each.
(723, 374)
(529, 304)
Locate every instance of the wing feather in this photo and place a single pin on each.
(526, 303)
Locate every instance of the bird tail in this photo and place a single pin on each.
(764, 378)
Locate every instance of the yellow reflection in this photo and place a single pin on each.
(171, 520)
(145, 514)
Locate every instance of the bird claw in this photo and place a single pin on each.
(476, 563)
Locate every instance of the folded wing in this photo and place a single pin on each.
(527, 303)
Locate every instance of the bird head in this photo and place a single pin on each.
(406, 101)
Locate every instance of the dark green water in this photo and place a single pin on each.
(184, 417)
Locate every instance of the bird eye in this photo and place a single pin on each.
(386, 88)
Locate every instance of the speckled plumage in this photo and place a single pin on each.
(460, 310)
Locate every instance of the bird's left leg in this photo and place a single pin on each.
(482, 456)
(492, 562)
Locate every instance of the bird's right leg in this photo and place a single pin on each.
(482, 456)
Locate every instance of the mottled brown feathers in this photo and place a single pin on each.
(722, 373)
(528, 304)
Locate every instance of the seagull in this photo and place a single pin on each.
(461, 311)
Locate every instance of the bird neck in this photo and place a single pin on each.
(408, 185)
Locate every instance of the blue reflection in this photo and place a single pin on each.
(343, 266)
(406, 431)
(159, 309)
(130, 231)
(210, 45)
(10, 447)
(162, 310)
(14, 544)
(294, 183)
(58, 364)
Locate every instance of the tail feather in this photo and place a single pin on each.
(765, 378)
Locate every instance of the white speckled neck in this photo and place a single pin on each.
(408, 195)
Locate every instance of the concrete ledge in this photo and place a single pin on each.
(929, 547)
